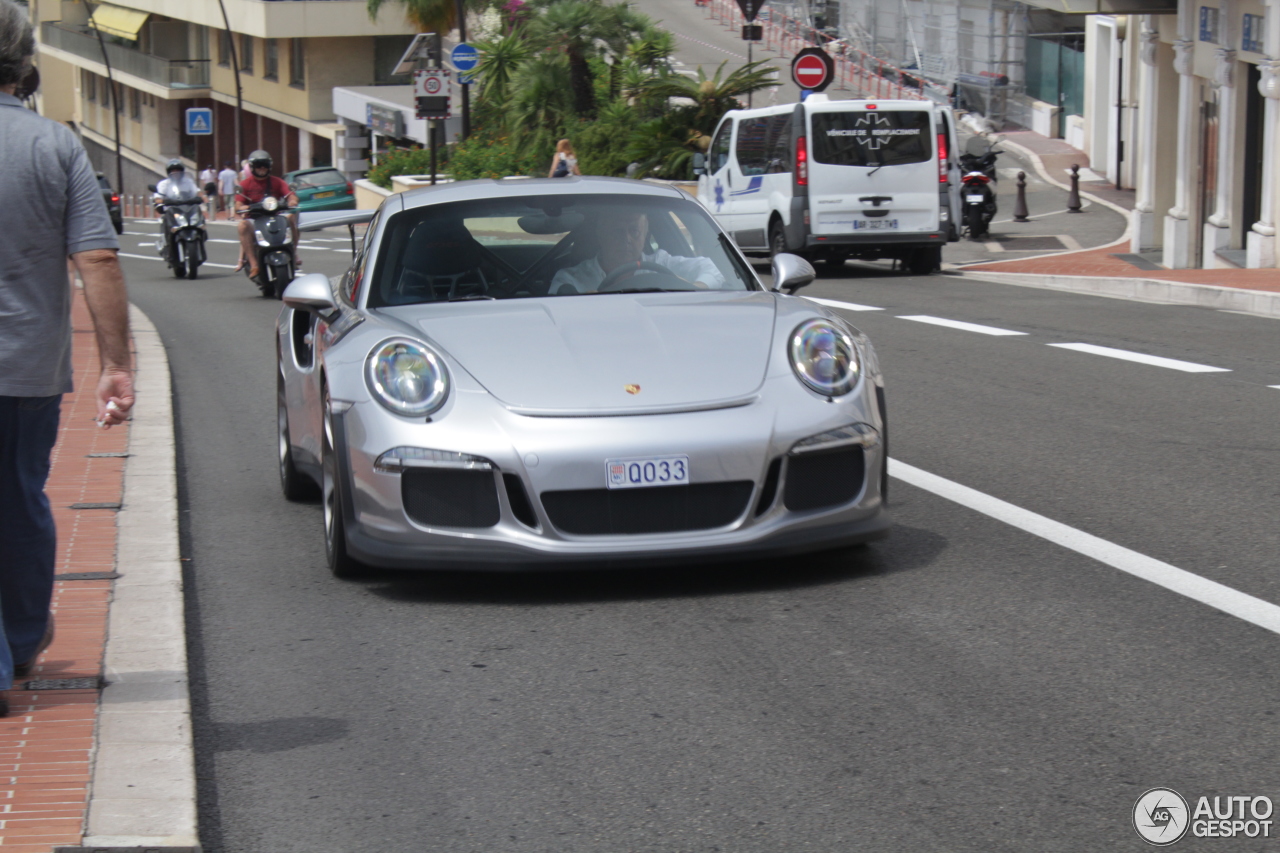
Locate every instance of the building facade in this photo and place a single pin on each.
(171, 55)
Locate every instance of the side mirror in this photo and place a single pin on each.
(699, 163)
(790, 273)
(152, 187)
(310, 292)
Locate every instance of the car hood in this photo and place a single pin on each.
(612, 353)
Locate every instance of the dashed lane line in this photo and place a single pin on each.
(847, 306)
(1143, 358)
(958, 324)
(1264, 614)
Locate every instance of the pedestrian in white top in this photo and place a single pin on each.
(226, 187)
(209, 184)
(565, 163)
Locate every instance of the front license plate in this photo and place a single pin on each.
(875, 225)
(643, 471)
(973, 199)
(329, 194)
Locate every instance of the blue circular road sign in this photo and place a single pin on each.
(464, 58)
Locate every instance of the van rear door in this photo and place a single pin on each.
(872, 169)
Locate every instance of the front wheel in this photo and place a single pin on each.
(281, 275)
(192, 265)
(777, 239)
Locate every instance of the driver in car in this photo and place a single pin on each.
(622, 264)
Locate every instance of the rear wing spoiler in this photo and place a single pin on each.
(329, 218)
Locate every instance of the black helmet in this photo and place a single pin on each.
(259, 158)
(174, 165)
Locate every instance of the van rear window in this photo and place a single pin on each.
(871, 138)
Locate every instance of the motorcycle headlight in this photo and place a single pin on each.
(824, 358)
(197, 218)
(406, 377)
(269, 203)
(179, 220)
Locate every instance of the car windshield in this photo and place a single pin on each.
(312, 180)
(871, 137)
(562, 245)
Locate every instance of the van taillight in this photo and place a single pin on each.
(942, 158)
(802, 162)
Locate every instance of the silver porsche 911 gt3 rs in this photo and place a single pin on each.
(552, 373)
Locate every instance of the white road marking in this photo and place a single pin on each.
(847, 306)
(1143, 358)
(1264, 614)
(217, 240)
(957, 324)
(1273, 386)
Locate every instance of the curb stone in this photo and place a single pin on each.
(143, 792)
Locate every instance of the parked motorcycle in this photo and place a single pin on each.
(274, 240)
(182, 234)
(977, 195)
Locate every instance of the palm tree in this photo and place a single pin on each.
(541, 100)
(500, 62)
(583, 29)
(428, 16)
(716, 95)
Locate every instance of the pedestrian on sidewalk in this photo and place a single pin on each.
(227, 187)
(53, 211)
(565, 163)
(209, 184)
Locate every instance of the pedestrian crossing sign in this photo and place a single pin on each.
(199, 121)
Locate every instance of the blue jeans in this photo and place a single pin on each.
(28, 541)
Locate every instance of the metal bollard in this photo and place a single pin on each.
(1020, 206)
(1073, 197)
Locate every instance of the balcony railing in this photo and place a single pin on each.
(171, 73)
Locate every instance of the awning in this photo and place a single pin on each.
(118, 21)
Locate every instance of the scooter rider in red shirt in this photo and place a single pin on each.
(253, 190)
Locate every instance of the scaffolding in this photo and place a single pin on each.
(970, 53)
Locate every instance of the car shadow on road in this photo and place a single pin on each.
(905, 549)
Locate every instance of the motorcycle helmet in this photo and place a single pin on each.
(174, 165)
(259, 158)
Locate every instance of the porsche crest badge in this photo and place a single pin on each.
(631, 389)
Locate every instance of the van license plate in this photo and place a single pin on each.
(642, 471)
(875, 225)
(973, 199)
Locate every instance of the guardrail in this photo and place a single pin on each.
(854, 68)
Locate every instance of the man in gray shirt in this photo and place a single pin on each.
(52, 210)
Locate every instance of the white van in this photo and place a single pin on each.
(833, 180)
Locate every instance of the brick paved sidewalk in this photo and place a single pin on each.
(47, 741)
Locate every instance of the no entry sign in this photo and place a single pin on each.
(812, 69)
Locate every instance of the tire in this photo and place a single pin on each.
(973, 222)
(777, 239)
(283, 275)
(923, 261)
(295, 485)
(192, 265)
(341, 565)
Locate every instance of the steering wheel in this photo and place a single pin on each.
(613, 281)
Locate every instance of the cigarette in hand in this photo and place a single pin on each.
(111, 407)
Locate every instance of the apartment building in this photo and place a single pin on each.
(1182, 104)
(170, 55)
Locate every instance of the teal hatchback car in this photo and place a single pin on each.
(323, 188)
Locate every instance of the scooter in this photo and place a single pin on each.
(274, 239)
(977, 195)
(183, 235)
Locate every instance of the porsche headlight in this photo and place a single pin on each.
(406, 377)
(824, 357)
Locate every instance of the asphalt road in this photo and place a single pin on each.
(959, 686)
